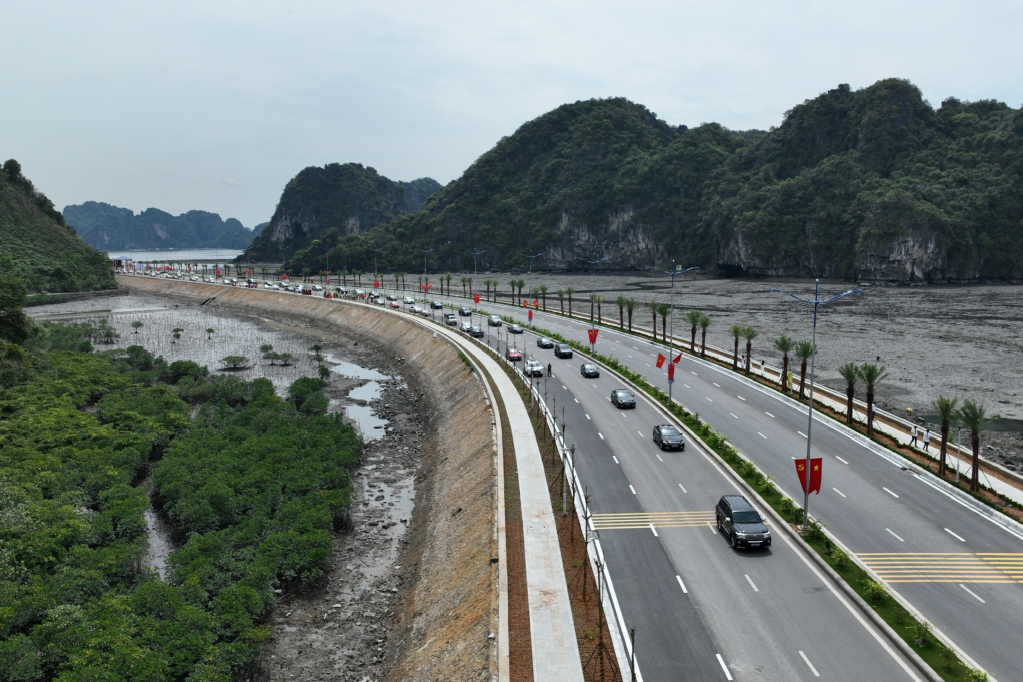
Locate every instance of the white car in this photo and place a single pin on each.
(533, 369)
(408, 300)
(317, 287)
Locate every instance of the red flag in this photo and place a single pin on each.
(376, 284)
(593, 335)
(476, 298)
(536, 303)
(816, 472)
(660, 360)
(677, 359)
(671, 372)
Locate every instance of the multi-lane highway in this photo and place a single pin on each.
(961, 569)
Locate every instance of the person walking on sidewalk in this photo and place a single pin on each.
(912, 433)
(927, 439)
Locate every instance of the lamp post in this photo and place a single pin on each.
(813, 345)
(474, 254)
(537, 255)
(671, 311)
(593, 275)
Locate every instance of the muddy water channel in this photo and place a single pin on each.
(339, 630)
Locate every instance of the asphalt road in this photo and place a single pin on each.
(699, 607)
(957, 567)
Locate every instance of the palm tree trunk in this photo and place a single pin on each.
(600, 313)
(692, 341)
(654, 328)
(703, 343)
(570, 306)
(870, 411)
(621, 317)
(664, 327)
(944, 448)
(785, 373)
(749, 347)
(850, 394)
(630, 320)
(735, 354)
(802, 378)
(975, 470)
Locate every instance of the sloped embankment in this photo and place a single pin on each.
(448, 606)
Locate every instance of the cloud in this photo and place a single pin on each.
(231, 182)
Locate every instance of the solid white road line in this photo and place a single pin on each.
(761, 435)
(659, 457)
(712, 528)
(683, 488)
(769, 415)
(973, 593)
(632, 489)
(839, 492)
(741, 398)
(734, 415)
(587, 416)
(681, 584)
(724, 667)
(807, 661)
(889, 491)
(750, 581)
(601, 435)
(894, 535)
(654, 530)
(841, 460)
(957, 537)
(615, 459)
(801, 434)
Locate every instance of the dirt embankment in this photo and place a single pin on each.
(438, 625)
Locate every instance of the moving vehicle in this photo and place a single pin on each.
(562, 350)
(436, 305)
(467, 327)
(476, 331)
(317, 287)
(743, 524)
(513, 354)
(450, 319)
(393, 304)
(623, 399)
(668, 437)
(589, 370)
(392, 297)
(464, 312)
(515, 329)
(533, 369)
(408, 300)
(494, 321)
(544, 342)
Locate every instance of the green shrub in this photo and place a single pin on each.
(874, 591)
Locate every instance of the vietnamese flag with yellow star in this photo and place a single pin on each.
(816, 471)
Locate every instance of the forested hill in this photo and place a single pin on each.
(323, 205)
(37, 246)
(869, 184)
(108, 227)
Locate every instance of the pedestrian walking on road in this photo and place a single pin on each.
(549, 369)
(927, 439)
(912, 433)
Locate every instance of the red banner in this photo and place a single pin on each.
(816, 471)
(524, 303)
(536, 303)
(677, 359)
(660, 360)
(476, 298)
(593, 335)
(671, 372)
(530, 315)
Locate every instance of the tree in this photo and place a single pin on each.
(447, 280)
(974, 417)
(519, 284)
(543, 295)
(397, 276)
(736, 330)
(630, 307)
(469, 279)
(511, 295)
(704, 323)
(324, 373)
(137, 324)
(749, 333)
(316, 348)
(465, 281)
(176, 332)
(620, 302)
(235, 362)
(15, 325)
(784, 345)
(693, 317)
(871, 375)
(600, 310)
(663, 309)
(209, 333)
(561, 299)
(804, 351)
(285, 358)
(267, 350)
(593, 302)
(654, 308)
(851, 373)
(568, 292)
(946, 411)
(535, 293)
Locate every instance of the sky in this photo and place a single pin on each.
(215, 104)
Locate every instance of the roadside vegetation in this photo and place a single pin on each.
(252, 485)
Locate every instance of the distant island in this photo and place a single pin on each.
(107, 227)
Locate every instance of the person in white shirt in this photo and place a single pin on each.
(927, 439)
(912, 433)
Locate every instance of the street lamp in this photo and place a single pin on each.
(426, 254)
(537, 255)
(593, 275)
(671, 312)
(813, 345)
(474, 254)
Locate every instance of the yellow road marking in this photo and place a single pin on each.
(946, 567)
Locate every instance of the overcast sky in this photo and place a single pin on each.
(215, 105)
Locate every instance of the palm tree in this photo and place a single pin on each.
(749, 333)
(447, 280)
(593, 301)
(511, 295)
(871, 375)
(620, 302)
(561, 299)
(663, 309)
(974, 417)
(704, 323)
(402, 275)
(600, 311)
(946, 411)
(209, 333)
(543, 294)
(535, 293)
(568, 292)
(654, 308)
(469, 281)
(736, 330)
(630, 306)
(804, 351)
(519, 284)
(851, 373)
(465, 280)
(784, 344)
(693, 318)
(137, 324)
(487, 282)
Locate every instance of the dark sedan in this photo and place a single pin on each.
(668, 437)
(436, 305)
(563, 350)
(476, 331)
(544, 342)
(623, 399)
(589, 370)
(464, 312)
(515, 329)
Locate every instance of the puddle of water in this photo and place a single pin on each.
(368, 392)
(370, 426)
(354, 371)
(159, 536)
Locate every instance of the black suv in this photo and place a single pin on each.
(669, 438)
(476, 331)
(464, 312)
(589, 370)
(562, 350)
(623, 398)
(742, 523)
